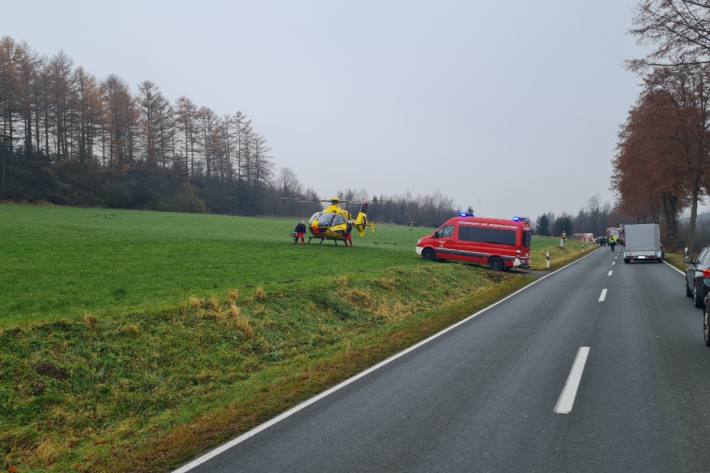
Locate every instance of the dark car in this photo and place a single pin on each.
(706, 321)
(697, 277)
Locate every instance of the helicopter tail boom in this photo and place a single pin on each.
(361, 222)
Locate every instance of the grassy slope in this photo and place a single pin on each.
(558, 256)
(154, 375)
(676, 259)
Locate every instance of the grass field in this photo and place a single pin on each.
(131, 341)
(65, 262)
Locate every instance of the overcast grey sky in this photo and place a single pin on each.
(515, 104)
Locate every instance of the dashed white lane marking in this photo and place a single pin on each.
(610, 273)
(602, 296)
(613, 263)
(569, 392)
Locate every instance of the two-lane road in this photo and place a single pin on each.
(483, 397)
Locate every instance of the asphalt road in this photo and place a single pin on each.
(481, 398)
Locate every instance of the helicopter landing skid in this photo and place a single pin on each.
(321, 240)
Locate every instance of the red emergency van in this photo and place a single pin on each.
(497, 243)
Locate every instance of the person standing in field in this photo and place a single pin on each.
(348, 237)
(300, 232)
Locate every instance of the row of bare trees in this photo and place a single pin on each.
(50, 108)
(69, 138)
(663, 155)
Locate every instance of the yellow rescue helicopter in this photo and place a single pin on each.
(336, 223)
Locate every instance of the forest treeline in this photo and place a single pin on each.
(69, 138)
(663, 154)
(595, 218)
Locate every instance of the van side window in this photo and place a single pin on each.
(487, 235)
(446, 231)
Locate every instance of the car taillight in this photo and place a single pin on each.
(706, 274)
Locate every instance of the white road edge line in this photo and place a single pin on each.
(569, 392)
(610, 273)
(602, 296)
(673, 267)
(260, 428)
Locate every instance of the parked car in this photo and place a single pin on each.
(697, 277)
(496, 243)
(706, 321)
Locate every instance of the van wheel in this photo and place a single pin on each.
(429, 254)
(706, 327)
(496, 264)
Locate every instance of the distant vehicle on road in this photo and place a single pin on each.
(697, 277)
(585, 237)
(643, 243)
(616, 232)
(497, 243)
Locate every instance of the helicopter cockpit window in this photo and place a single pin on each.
(338, 220)
(324, 220)
(314, 217)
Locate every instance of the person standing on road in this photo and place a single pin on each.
(612, 242)
(300, 232)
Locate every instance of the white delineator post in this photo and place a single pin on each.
(547, 258)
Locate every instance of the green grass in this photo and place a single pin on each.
(676, 259)
(559, 257)
(131, 341)
(63, 262)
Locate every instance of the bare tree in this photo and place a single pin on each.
(679, 30)
(89, 108)
(287, 183)
(121, 117)
(25, 62)
(61, 90)
(186, 116)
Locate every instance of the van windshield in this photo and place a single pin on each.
(527, 236)
(446, 231)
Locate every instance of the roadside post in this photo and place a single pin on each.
(547, 259)
(563, 237)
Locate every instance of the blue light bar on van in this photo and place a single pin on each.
(465, 214)
(521, 219)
